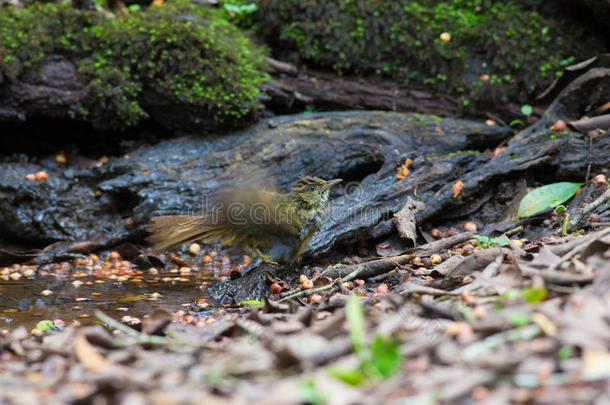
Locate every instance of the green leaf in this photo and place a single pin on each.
(564, 352)
(519, 319)
(533, 295)
(545, 197)
(348, 376)
(501, 240)
(45, 325)
(355, 321)
(385, 356)
(258, 303)
(527, 109)
(309, 394)
(485, 241)
(482, 238)
(516, 122)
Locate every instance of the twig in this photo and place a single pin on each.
(576, 250)
(514, 230)
(587, 209)
(377, 267)
(139, 337)
(305, 293)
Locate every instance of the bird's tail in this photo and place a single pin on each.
(170, 230)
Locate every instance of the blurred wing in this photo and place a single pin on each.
(260, 213)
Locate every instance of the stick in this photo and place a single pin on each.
(376, 267)
(305, 293)
(577, 250)
(587, 209)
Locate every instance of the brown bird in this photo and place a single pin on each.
(273, 225)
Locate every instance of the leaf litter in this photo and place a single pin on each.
(465, 317)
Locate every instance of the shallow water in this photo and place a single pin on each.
(23, 302)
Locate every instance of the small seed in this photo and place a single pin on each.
(600, 179)
(445, 37)
(316, 298)
(60, 158)
(470, 227)
(275, 288)
(308, 285)
(30, 177)
(42, 175)
(303, 278)
(382, 288)
(559, 126)
(435, 233)
(436, 259)
(517, 242)
(194, 248)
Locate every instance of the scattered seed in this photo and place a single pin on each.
(114, 255)
(427, 262)
(445, 37)
(382, 288)
(315, 299)
(303, 278)
(308, 285)
(207, 259)
(30, 177)
(194, 248)
(457, 188)
(275, 288)
(60, 158)
(559, 126)
(470, 227)
(600, 179)
(517, 242)
(358, 282)
(41, 175)
(485, 78)
(435, 233)
(46, 292)
(436, 259)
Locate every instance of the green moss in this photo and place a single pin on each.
(518, 48)
(191, 53)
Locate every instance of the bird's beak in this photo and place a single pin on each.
(331, 183)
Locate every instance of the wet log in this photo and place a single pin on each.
(290, 93)
(363, 148)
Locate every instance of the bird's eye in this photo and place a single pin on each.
(312, 188)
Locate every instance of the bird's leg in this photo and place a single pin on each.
(255, 251)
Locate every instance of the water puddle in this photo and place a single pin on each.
(70, 292)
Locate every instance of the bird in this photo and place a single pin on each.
(275, 226)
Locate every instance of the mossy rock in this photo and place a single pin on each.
(178, 56)
(518, 49)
